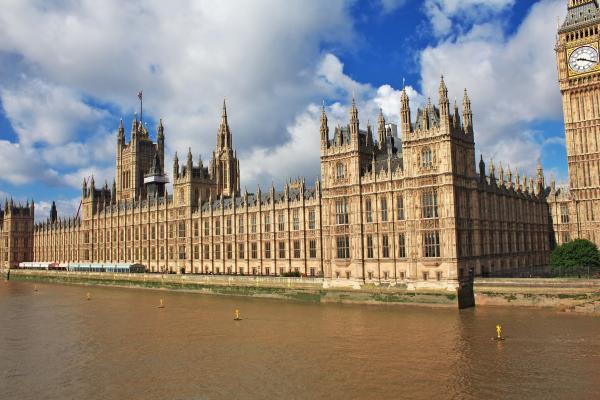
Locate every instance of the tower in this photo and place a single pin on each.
(577, 59)
(16, 233)
(224, 165)
(343, 159)
(136, 158)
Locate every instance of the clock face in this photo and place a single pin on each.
(583, 59)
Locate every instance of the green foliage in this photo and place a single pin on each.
(575, 258)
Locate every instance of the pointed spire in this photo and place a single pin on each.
(121, 133)
(539, 179)
(443, 90)
(175, 166)
(482, 169)
(160, 132)
(354, 123)
(134, 126)
(324, 127)
(467, 114)
(369, 137)
(353, 112)
(381, 129)
(224, 134)
(405, 110)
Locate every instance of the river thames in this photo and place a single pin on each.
(55, 344)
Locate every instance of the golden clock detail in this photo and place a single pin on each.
(583, 59)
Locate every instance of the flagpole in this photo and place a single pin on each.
(141, 109)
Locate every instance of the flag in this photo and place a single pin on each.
(140, 95)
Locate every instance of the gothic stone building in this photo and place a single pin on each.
(411, 209)
(16, 233)
(575, 208)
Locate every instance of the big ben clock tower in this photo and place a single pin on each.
(579, 77)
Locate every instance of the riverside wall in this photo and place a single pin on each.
(560, 294)
(303, 289)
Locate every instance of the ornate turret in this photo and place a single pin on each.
(482, 169)
(224, 135)
(175, 167)
(444, 103)
(405, 112)
(121, 133)
(53, 213)
(539, 180)
(224, 165)
(134, 127)
(160, 139)
(369, 137)
(425, 114)
(324, 128)
(354, 123)
(381, 129)
(84, 189)
(467, 114)
(456, 116)
(189, 163)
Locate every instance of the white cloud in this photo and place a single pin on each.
(186, 55)
(442, 12)
(100, 175)
(20, 165)
(511, 80)
(389, 6)
(43, 113)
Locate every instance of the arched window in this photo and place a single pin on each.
(181, 196)
(340, 171)
(426, 158)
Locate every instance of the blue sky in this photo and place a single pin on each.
(69, 70)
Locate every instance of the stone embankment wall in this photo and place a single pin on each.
(562, 294)
(304, 289)
(577, 295)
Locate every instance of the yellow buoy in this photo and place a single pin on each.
(35, 288)
(162, 304)
(88, 296)
(237, 315)
(499, 332)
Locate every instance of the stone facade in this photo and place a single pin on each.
(16, 233)
(411, 209)
(576, 208)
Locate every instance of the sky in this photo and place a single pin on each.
(70, 69)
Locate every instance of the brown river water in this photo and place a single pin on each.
(54, 344)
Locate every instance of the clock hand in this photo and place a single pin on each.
(584, 59)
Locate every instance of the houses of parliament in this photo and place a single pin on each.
(406, 204)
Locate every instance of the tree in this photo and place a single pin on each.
(575, 257)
